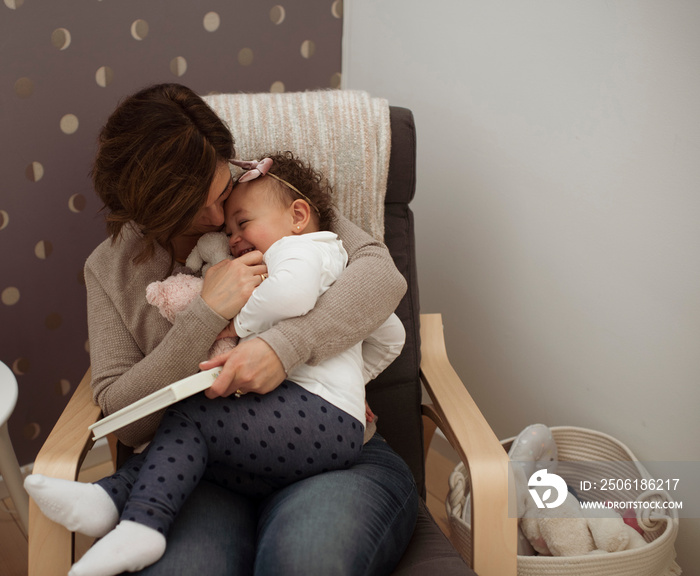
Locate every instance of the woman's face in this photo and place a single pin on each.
(210, 217)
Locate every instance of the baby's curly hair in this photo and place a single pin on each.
(310, 182)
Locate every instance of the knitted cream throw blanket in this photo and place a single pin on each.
(343, 133)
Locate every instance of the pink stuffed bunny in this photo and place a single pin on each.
(174, 294)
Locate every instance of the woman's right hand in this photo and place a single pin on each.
(252, 366)
(229, 284)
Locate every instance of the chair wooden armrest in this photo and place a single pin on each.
(51, 546)
(457, 415)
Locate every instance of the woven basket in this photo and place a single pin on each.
(579, 445)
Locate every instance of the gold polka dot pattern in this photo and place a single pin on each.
(245, 57)
(10, 296)
(178, 66)
(62, 387)
(212, 21)
(14, 4)
(61, 38)
(43, 249)
(139, 29)
(20, 366)
(69, 124)
(308, 48)
(66, 70)
(104, 76)
(277, 14)
(34, 172)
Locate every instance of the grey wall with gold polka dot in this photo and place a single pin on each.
(64, 66)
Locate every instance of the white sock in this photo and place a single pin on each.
(127, 548)
(80, 507)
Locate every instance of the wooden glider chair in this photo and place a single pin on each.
(395, 396)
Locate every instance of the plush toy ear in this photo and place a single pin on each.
(154, 293)
(211, 249)
(174, 294)
(217, 248)
(194, 260)
(221, 250)
(535, 448)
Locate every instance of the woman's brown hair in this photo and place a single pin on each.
(156, 159)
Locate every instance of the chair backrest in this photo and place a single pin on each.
(395, 396)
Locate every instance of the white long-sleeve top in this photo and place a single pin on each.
(300, 269)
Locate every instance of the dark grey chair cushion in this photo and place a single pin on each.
(430, 552)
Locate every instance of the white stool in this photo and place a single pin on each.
(9, 467)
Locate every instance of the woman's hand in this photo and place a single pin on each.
(229, 284)
(252, 366)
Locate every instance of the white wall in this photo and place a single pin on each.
(558, 205)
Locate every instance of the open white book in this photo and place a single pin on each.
(156, 401)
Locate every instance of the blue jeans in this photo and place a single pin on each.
(348, 522)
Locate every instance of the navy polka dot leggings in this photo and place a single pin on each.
(254, 445)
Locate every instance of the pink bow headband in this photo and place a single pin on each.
(257, 168)
(254, 168)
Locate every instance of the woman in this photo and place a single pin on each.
(162, 173)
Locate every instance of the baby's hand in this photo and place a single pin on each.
(369, 415)
(228, 332)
